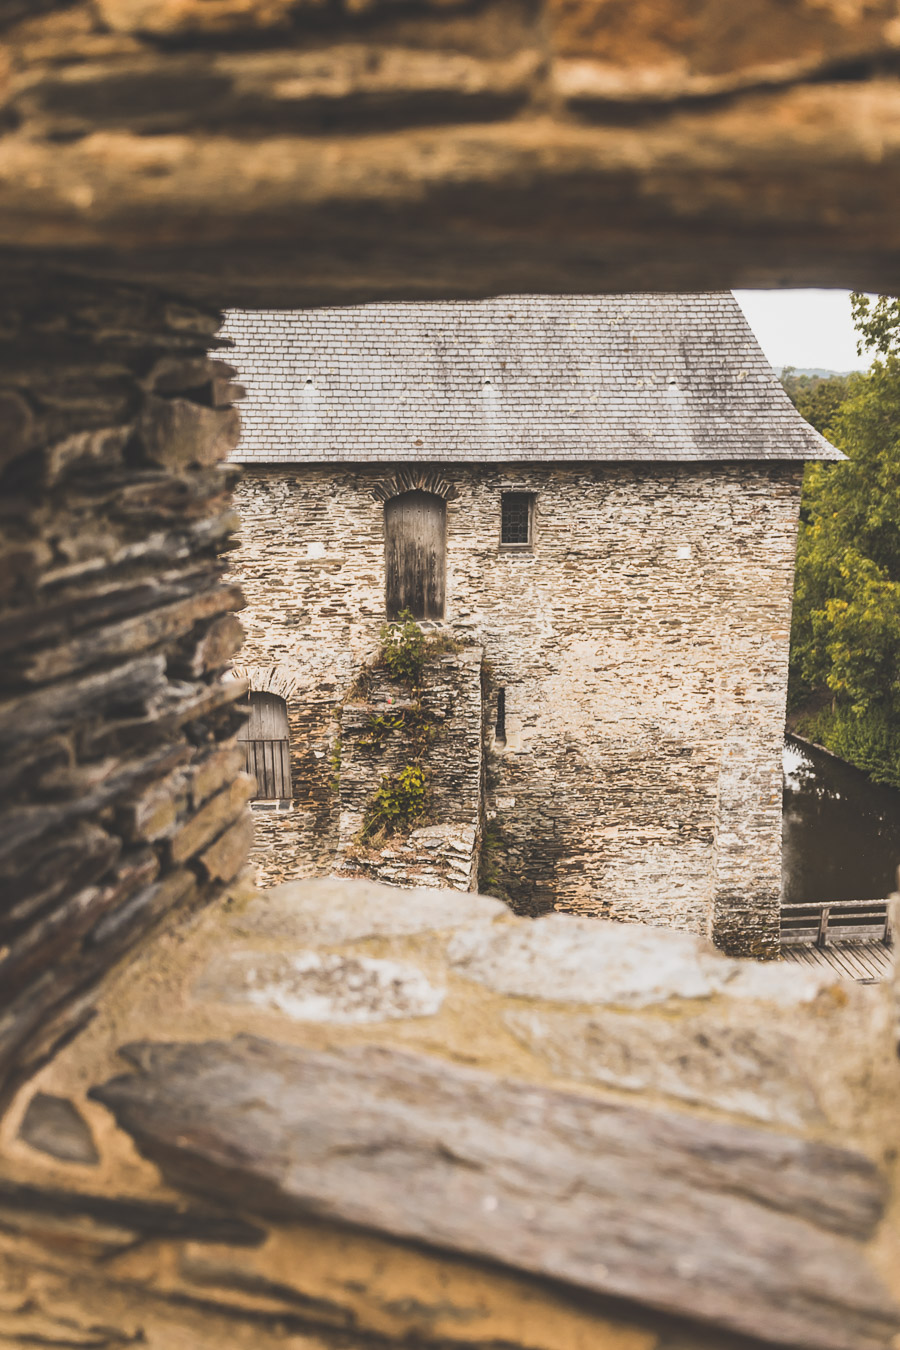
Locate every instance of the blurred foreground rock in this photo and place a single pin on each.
(288, 152)
(342, 1115)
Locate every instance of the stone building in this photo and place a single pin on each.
(597, 497)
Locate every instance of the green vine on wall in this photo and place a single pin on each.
(398, 803)
(404, 649)
(411, 721)
(401, 799)
(381, 725)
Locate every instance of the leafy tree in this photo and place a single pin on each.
(816, 397)
(845, 644)
(878, 324)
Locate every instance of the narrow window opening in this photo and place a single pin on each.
(516, 513)
(500, 729)
(265, 741)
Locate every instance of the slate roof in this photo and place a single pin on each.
(531, 377)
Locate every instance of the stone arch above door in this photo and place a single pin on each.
(414, 479)
(266, 679)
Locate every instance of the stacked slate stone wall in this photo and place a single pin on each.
(121, 799)
(641, 646)
(386, 726)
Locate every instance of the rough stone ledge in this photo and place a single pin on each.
(566, 959)
(329, 910)
(741, 1228)
(429, 1122)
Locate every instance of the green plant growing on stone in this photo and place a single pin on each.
(336, 763)
(443, 644)
(381, 725)
(399, 801)
(404, 648)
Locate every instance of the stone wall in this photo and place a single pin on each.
(120, 796)
(440, 731)
(342, 1116)
(452, 148)
(642, 647)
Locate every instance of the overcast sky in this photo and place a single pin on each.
(803, 328)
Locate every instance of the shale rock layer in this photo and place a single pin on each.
(270, 152)
(120, 796)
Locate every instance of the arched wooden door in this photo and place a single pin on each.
(265, 741)
(415, 526)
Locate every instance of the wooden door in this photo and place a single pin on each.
(265, 741)
(415, 527)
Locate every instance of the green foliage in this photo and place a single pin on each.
(411, 721)
(443, 644)
(870, 740)
(336, 763)
(398, 803)
(817, 397)
(401, 800)
(404, 648)
(381, 726)
(878, 324)
(845, 643)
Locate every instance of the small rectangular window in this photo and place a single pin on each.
(500, 728)
(516, 511)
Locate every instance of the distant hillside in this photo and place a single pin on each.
(815, 372)
(817, 394)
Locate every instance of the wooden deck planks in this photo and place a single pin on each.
(862, 961)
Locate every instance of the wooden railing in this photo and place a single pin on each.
(826, 923)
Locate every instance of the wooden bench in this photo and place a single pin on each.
(827, 923)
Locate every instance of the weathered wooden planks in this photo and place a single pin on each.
(414, 550)
(265, 740)
(742, 1228)
(866, 962)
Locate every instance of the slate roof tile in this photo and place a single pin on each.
(640, 377)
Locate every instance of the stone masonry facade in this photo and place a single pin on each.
(641, 646)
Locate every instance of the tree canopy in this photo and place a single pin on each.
(816, 397)
(845, 644)
(877, 323)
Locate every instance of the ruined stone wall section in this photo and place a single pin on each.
(120, 796)
(441, 733)
(641, 646)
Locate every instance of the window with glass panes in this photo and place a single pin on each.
(515, 517)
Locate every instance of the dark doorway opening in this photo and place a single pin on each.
(415, 526)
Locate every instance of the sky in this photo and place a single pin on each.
(803, 328)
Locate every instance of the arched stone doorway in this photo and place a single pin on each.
(415, 530)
